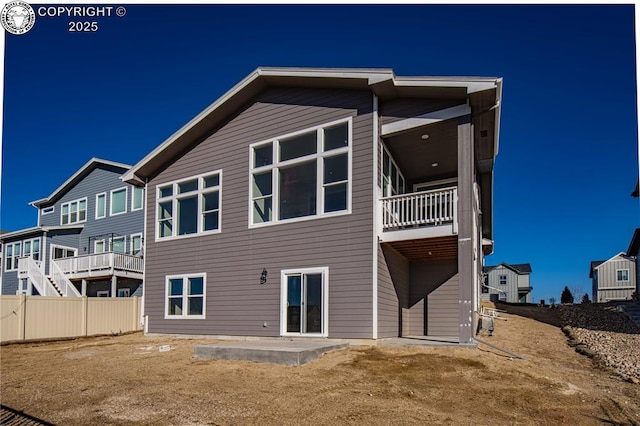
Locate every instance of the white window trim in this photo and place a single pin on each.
(126, 198)
(325, 299)
(32, 240)
(133, 197)
(124, 292)
(102, 293)
(174, 200)
(620, 270)
(105, 205)
(276, 164)
(86, 206)
(131, 237)
(506, 280)
(13, 256)
(104, 246)
(48, 210)
(184, 277)
(389, 185)
(53, 247)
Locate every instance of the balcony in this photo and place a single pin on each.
(426, 214)
(102, 265)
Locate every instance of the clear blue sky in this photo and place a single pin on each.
(568, 158)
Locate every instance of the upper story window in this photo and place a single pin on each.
(137, 198)
(622, 275)
(502, 279)
(300, 175)
(118, 201)
(101, 205)
(118, 245)
(48, 210)
(393, 182)
(189, 206)
(74, 212)
(99, 246)
(135, 244)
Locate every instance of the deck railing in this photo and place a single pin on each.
(427, 208)
(31, 269)
(101, 261)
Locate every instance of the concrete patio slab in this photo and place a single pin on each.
(283, 352)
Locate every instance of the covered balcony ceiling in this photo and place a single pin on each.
(427, 153)
(441, 248)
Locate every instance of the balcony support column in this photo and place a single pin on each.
(465, 228)
(84, 287)
(114, 286)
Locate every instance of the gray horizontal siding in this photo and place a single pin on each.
(606, 280)
(442, 310)
(233, 259)
(393, 290)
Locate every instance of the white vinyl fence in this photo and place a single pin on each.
(40, 318)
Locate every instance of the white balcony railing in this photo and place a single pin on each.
(101, 262)
(420, 209)
(32, 269)
(63, 283)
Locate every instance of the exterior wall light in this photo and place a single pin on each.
(263, 276)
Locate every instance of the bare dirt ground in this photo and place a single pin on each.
(126, 380)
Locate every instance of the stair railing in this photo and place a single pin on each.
(60, 279)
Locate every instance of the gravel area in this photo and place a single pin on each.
(605, 334)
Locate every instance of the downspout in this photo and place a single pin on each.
(143, 319)
(374, 315)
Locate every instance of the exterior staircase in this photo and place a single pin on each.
(631, 309)
(54, 285)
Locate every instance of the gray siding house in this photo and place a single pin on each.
(339, 203)
(507, 283)
(613, 279)
(88, 240)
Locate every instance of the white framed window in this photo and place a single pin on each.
(48, 210)
(119, 244)
(101, 205)
(189, 206)
(13, 251)
(99, 246)
(502, 279)
(103, 293)
(62, 252)
(123, 292)
(118, 201)
(301, 175)
(137, 198)
(393, 181)
(74, 211)
(185, 296)
(622, 275)
(31, 248)
(303, 300)
(135, 244)
(502, 297)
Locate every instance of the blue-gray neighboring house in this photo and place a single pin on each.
(507, 283)
(88, 240)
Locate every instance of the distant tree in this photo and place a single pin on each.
(552, 300)
(566, 296)
(585, 298)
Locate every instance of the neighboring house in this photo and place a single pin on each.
(88, 240)
(613, 279)
(633, 252)
(341, 203)
(507, 283)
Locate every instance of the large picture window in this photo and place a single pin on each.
(185, 296)
(74, 212)
(13, 252)
(189, 206)
(301, 175)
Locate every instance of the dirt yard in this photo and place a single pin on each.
(126, 380)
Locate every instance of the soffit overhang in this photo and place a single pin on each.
(382, 82)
